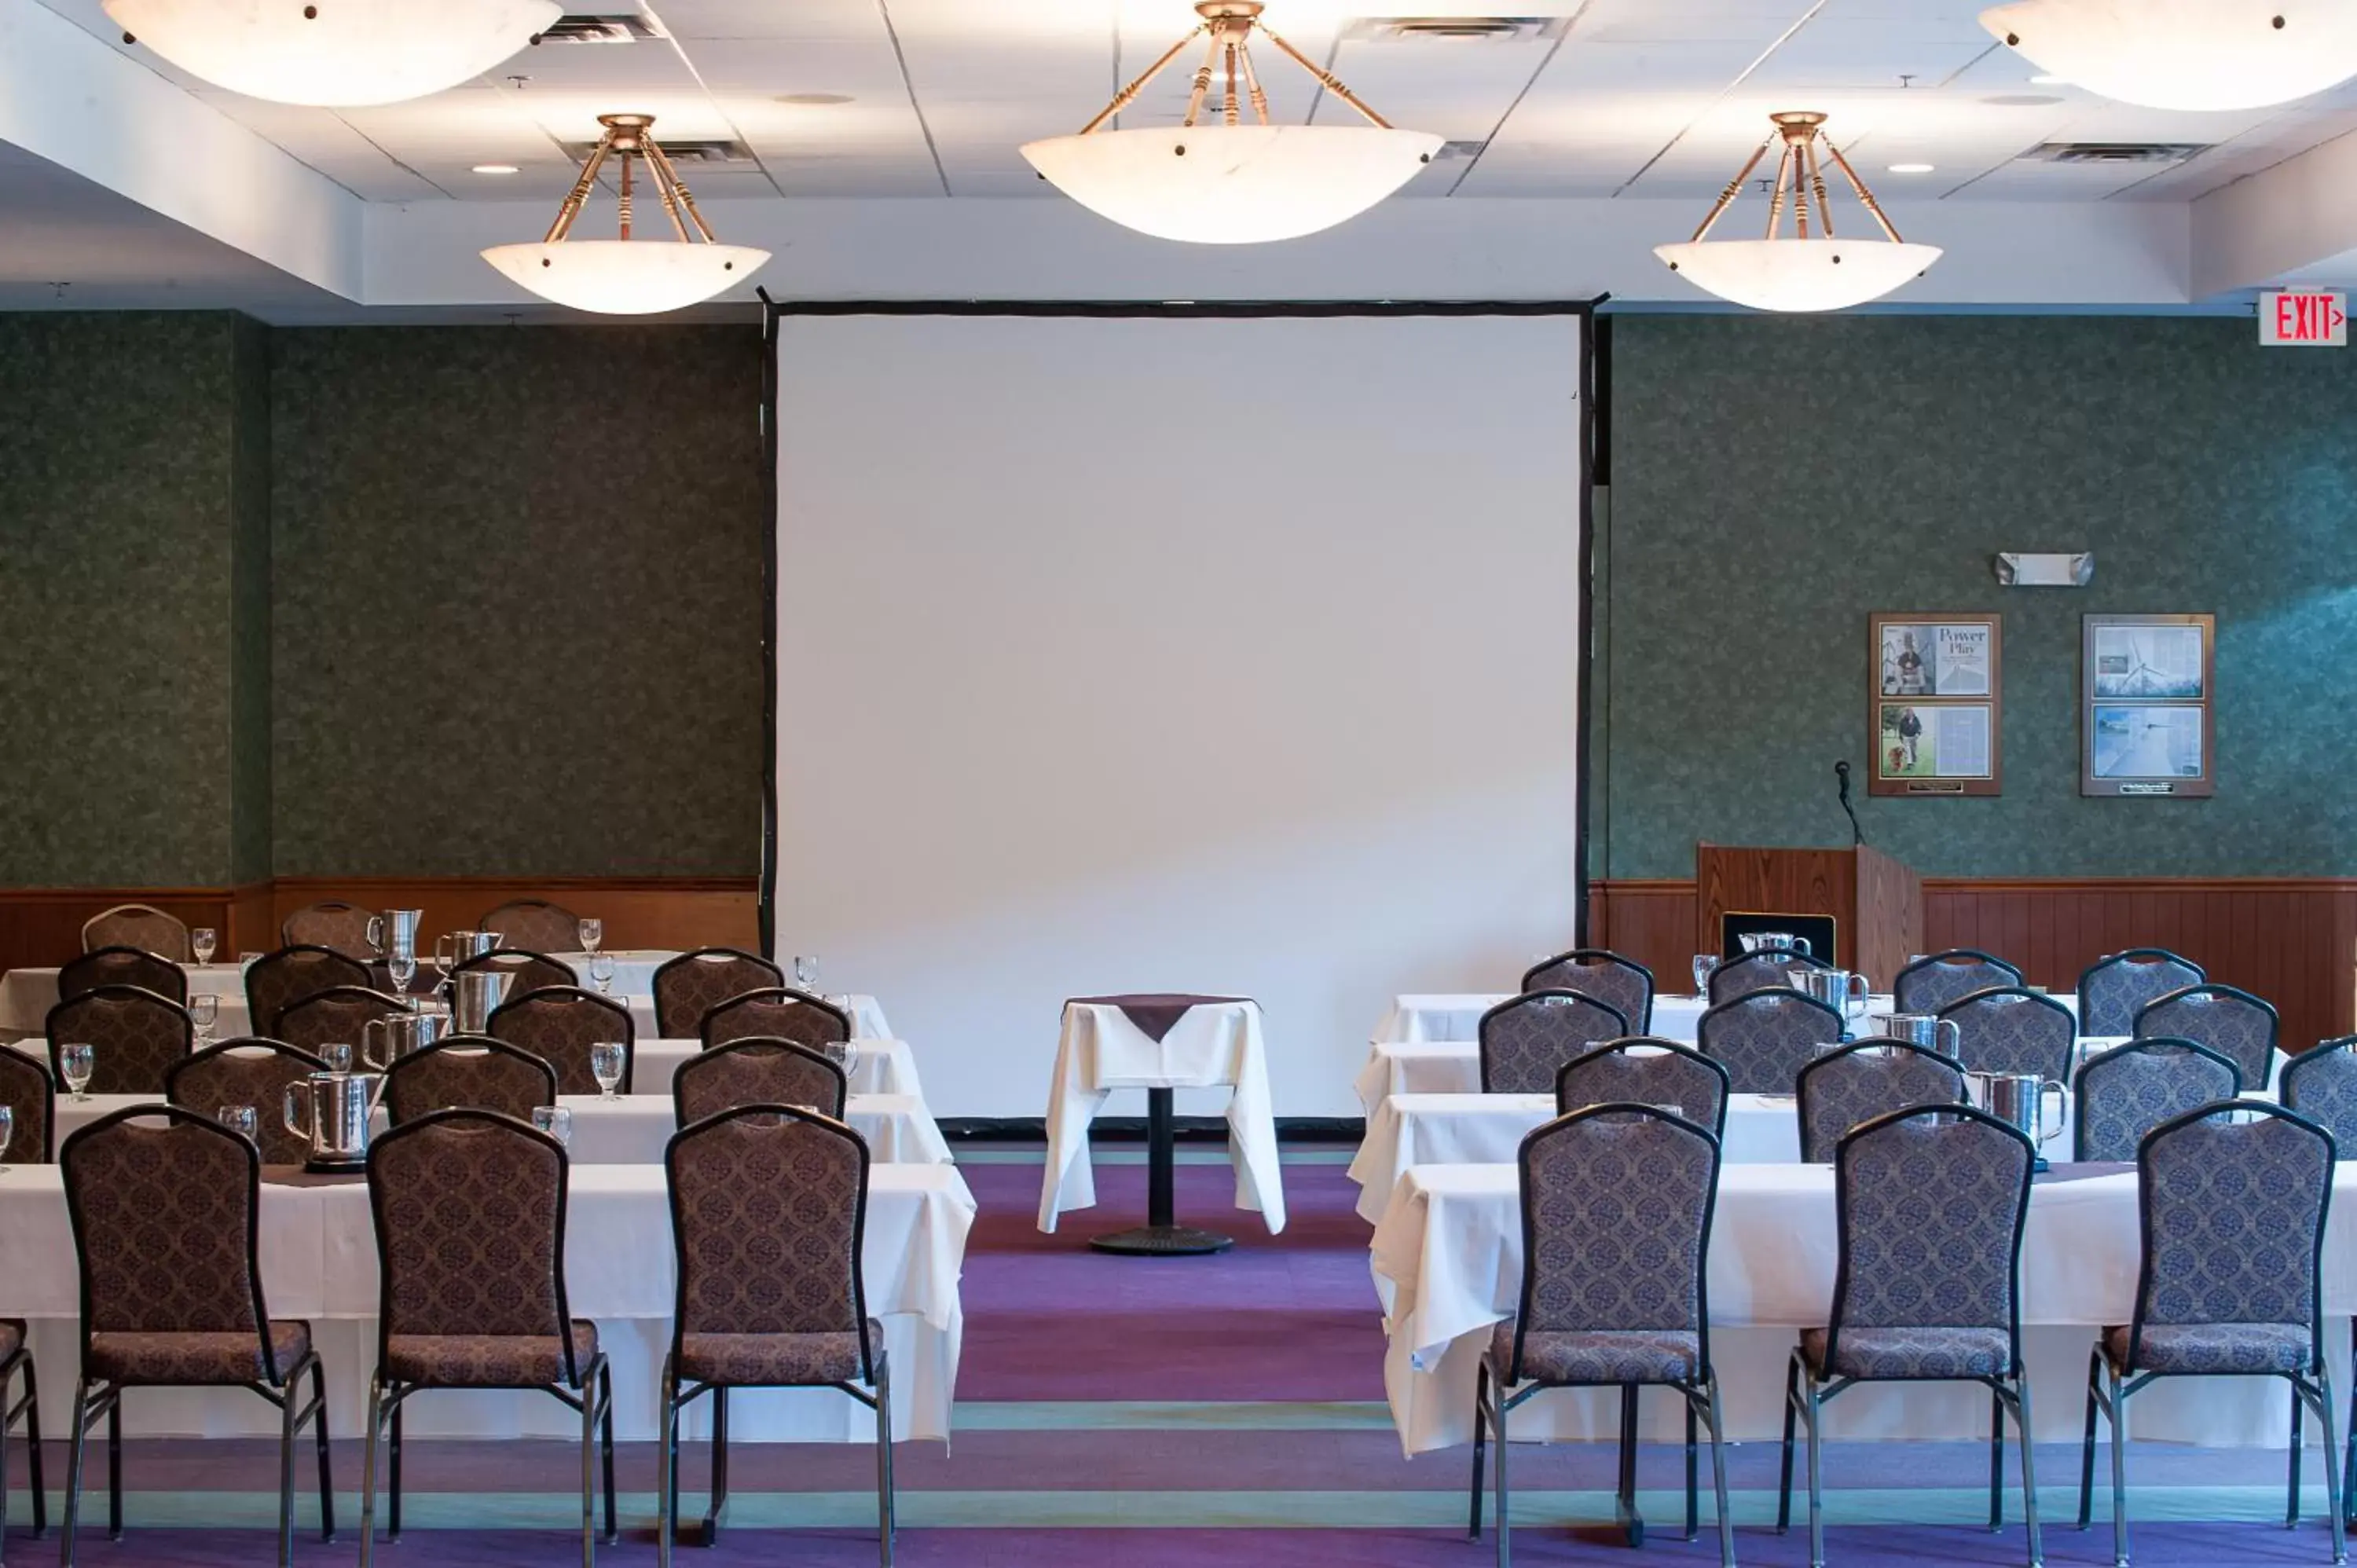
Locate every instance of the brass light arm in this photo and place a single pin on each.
(1252, 81)
(1328, 80)
(1202, 87)
(1818, 184)
(1727, 197)
(580, 192)
(1129, 95)
(1776, 201)
(662, 160)
(1864, 195)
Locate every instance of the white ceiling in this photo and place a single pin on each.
(1656, 98)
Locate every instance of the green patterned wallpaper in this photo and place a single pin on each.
(250, 588)
(1775, 480)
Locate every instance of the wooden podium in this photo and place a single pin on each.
(1875, 902)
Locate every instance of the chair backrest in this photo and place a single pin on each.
(137, 925)
(1852, 1085)
(1765, 1037)
(248, 1071)
(331, 923)
(2321, 1083)
(2233, 1220)
(31, 1096)
(277, 980)
(558, 1023)
(776, 1013)
(123, 966)
(1931, 1204)
(1616, 1202)
(469, 1208)
(165, 1207)
(689, 987)
(2126, 1091)
(334, 1015)
(526, 972)
(2010, 1028)
(471, 1072)
(135, 1036)
(1612, 980)
(1757, 972)
(1648, 1071)
(1930, 984)
(768, 1216)
(535, 925)
(2112, 989)
(2235, 1023)
(1527, 1039)
(755, 1071)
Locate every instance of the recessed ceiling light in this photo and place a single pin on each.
(2050, 82)
(1911, 168)
(814, 99)
(496, 169)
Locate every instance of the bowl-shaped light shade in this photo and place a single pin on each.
(2187, 54)
(1797, 274)
(627, 277)
(347, 53)
(1233, 185)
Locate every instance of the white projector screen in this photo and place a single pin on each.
(1229, 654)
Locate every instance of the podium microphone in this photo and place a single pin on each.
(1841, 772)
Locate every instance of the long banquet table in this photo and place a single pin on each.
(318, 1261)
(1457, 1015)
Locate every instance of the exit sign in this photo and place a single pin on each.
(2308, 318)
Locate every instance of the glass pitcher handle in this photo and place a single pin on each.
(2061, 1110)
(294, 1093)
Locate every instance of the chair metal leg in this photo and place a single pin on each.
(605, 1445)
(1694, 1512)
(33, 1449)
(719, 1500)
(588, 1388)
(891, 1482)
(114, 1468)
(287, 1411)
(74, 1473)
(367, 1469)
(1624, 1502)
(2292, 1456)
(1718, 1478)
(1480, 1437)
(327, 1474)
(1997, 1462)
(1815, 1414)
(2119, 1412)
(1791, 1406)
(883, 1465)
(2087, 1449)
(2029, 1471)
(2335, 1500)
(1505, 1496)
(667, 1465)
(393, 1480)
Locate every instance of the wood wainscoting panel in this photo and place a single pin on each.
(41, 926)
(1650, 921)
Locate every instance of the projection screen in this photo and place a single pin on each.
(1236, 654)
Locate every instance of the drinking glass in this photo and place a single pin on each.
(338, 1056)
(806, 974)
(240, 1119)
(401, 968)
(200, 942)
(1706, 964)
(78, 1062)
(555, 1121)
(204, 1011)
(606, 1066)
(601, 969)
(593, 935)
(7, 1130)
(839, 1053)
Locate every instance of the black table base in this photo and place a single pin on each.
(1161, 1236)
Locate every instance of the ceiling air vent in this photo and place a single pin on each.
(2114, 152)
(1458, 152)
(705, 153)
(588, 27)
(1456, 29)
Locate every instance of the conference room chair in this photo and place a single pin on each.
(776, 1013)
(2010, 1029)
(1525, 1040)
(1612, 980)
(330, 923)
(1765, 1037)
(2112, 989)
(2321, 1083)
(768, 1215)
(250, 1070)
(526, 972)
(336, 1015)
(1852, 1085)
(469, 1072)
(137, 925)
(693, 984)
(188, 1314)
(754, 1071)
(30, 1093)
(2124, 1093)
(277, 980)
(1932, 983)
(2234, 1023)
(2230, 1285)
(1616, 1202)
(1930, 1203)
(1757, 971)
(535, 925)
(16, 1359)
(469, 1212)
(1648, 1071)
(134, 1038)
(123, 966)
(559, 1024)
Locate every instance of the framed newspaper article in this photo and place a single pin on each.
(2145, 705)
(1935, 704)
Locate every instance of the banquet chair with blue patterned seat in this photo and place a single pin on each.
(1765, 1037)
(2123, 1093)
(1612, 980)
(1524, 1041)
(1651, 1071)
(1932, 983)
(2232, 1022)
(1854, 1084)
(1768, 968)
(2112, 988)
(2011, 1028)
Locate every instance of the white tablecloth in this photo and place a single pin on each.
(318, 1261)
(1442, 1016)
(1100, 1050)
(1449, 1250)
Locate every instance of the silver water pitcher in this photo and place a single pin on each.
(401, 1034)
(1773, 941)
(452, 948)
(330, 1112)
(473, 994)
(1925, 1029)
(394, 932)
(2018, 1100)
(1840, 989)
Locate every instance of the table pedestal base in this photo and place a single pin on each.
(1161, 1236)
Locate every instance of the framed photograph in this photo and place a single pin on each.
(1934, 707)
(2144, 700)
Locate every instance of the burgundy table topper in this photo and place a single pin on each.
(1155, 1012)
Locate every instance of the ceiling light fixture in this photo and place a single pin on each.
(1805, 271)
(334, 53)
(628, 276)
(1911, 168)
(497, 168)
(1231, 184)
(2186, 54)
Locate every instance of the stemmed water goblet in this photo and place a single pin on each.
(338, 1055)
(607, 1064)
(1706, 964)
(204, 1012)
(401, 968)
(202, 942)
(77, 1062)
(240, 1119)
(557, 1121)
(601, 969)
(593, 936)
(806, 974)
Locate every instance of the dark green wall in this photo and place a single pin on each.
(1775, 481)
